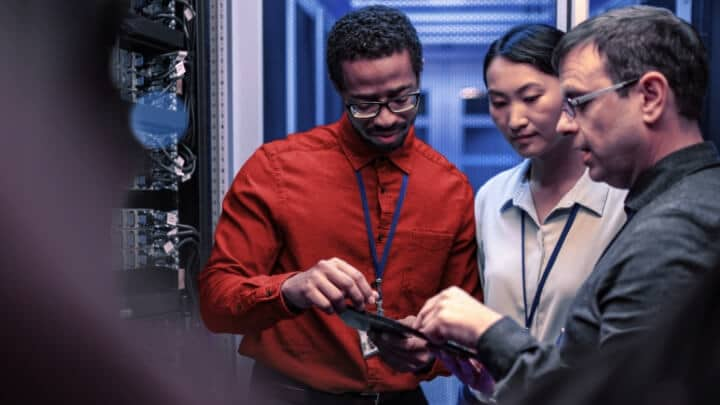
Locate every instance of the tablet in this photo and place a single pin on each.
(367, 321)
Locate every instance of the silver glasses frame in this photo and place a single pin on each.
(570, 104)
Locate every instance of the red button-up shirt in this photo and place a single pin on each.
(296, 201)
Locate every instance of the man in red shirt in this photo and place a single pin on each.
(358, 212)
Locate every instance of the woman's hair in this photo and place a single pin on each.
(527, 43)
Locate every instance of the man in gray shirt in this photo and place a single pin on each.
(635, 80)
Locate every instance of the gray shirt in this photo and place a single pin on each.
(666, 246)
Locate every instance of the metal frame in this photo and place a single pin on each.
(201, 126)
(320, 66)
(218, 106)
(245, 72)
(571, 13)
(313, 8)
(683, 9)
(562, 19)
(579, 11)
(290, 67)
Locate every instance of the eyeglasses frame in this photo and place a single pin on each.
(385, 104)
(571, 104)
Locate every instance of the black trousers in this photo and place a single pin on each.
(269, 387)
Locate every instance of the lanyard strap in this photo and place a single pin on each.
(536, 300)
(380, 265)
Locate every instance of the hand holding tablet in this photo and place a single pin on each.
(365, 321)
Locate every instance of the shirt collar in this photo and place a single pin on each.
(360, 153)
(518, 194)
(668, 171)
(586, 192)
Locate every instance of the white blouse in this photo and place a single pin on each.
(498, 211)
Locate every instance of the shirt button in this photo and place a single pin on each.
(268, 292)
(382, 190)
(380, 238)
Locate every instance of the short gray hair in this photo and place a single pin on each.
(636, 39)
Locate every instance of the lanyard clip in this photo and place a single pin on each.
(378, 287)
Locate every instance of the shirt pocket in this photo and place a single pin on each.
(429, 251)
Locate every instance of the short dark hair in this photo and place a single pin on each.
(634, 40)
(526, 43)
(371, 33)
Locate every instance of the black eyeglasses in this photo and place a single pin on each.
(571, 104)
(371, 109)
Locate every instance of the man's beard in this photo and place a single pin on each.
(373, 140)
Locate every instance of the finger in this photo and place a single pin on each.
(360, 282)
(331, 293)
(344, 277)
(429, 307)
(408, 320)
(316, 298)
(347, 287)
(430, 326)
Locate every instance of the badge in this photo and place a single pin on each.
(367, 347)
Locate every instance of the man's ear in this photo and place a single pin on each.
(655, 92)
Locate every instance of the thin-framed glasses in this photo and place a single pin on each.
(570, 105)
(371, 109)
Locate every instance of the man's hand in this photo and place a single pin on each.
(469, 371)
(402, 353)
(326, 285)
(454, 315)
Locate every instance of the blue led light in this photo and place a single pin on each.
(159, 119)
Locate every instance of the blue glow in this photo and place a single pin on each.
(159, 119)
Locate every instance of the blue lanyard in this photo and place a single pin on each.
(380, 265)
(536, 300)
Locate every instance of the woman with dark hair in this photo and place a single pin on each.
(542, 224)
